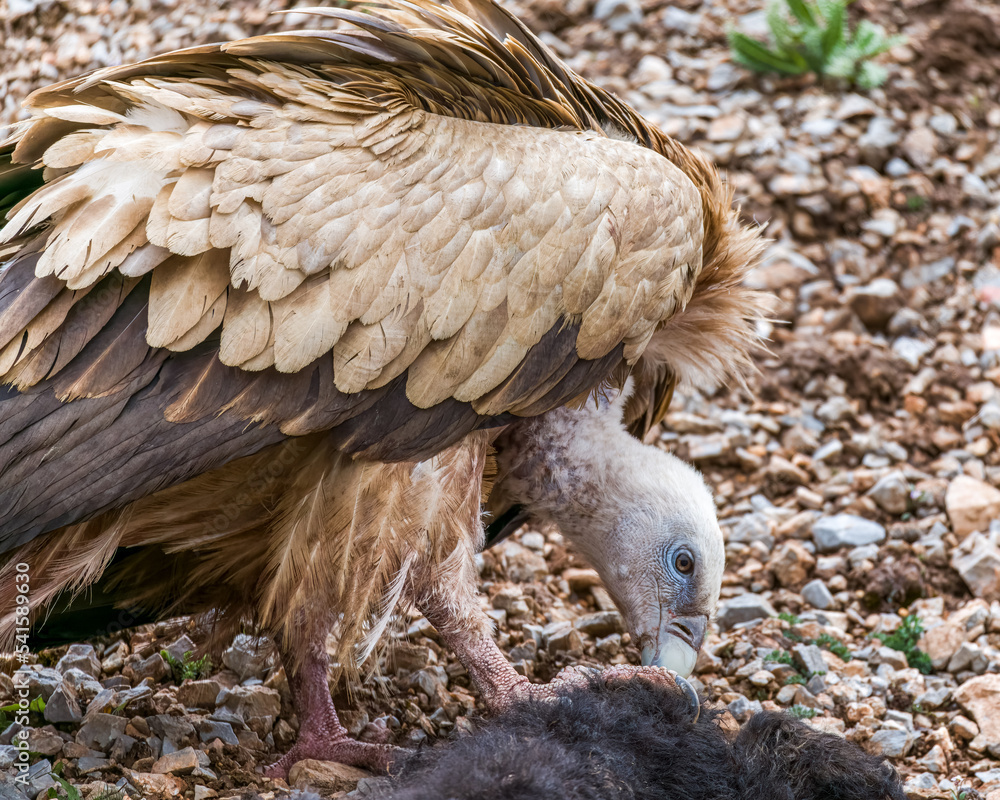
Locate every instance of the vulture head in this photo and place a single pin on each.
(643, 518)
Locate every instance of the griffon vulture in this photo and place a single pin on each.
(271, 310)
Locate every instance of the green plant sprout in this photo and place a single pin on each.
(813, 36)
(189, 667)
(904, 639)
(802, 712)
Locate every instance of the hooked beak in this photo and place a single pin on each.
(677, 643)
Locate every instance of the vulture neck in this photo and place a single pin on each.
(580, 469)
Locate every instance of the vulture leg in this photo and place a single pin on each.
(321, 735)
(464, 627)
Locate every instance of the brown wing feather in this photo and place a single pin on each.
(305, 218)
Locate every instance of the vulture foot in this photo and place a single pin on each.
(342, 749)
(580, 677)
(321, 735)
(501, 687)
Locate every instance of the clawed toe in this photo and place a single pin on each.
(367, 755)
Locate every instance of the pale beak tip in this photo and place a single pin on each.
(674, 654)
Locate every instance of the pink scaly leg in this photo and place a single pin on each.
(499, 684)
(321, 736)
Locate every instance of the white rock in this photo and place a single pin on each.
(845, 530)
(892, 492)
(743, 608)
(977, 560)
(619, 15)
(816, 594)
(891, 743)
(971, 504)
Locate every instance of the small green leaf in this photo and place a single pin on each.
(871, 76)
(757, 56)
(801, 11)
(834, 33)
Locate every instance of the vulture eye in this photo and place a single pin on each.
(684, 562)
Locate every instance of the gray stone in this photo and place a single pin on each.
(99, 732)
(975, 187)
(724, 76)
(522, 565)
(786, 694)
(911, 350)
(121, 748)
(430, 680)
(10, 791)
(922, 785)
(897, 168)
(562, 637)
(40, 778)
(249, 656)
(113, 663)
(816, 594)
(845, 530)
(45, 741)
(810, 658)
(81, 657)
(600, 623)
(934, 698)
(820, 128)
(743, 608)
(533, 540)
(977, 560)
(969, 657)
(619, 15)
(257, 706)
(858, 555)
(920, 146)
(63, 705)
(179, 763)
(879, 138)
(141, 692)
(943, 123)
(741, 708)
(8, 755)
(138, 669)
(891, 743)
(184, 644)
(828, 450)
(904, 718)
(210, 729)
(989, 415)
(104, 702)
(677, 19)
(12, 730)
(925, 274)
(177, 730)
(87, 764)
(41, 681)
(83, 683)
(199, 694)
(892, 492)
(894, 658)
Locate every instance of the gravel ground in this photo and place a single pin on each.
(858, 480)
